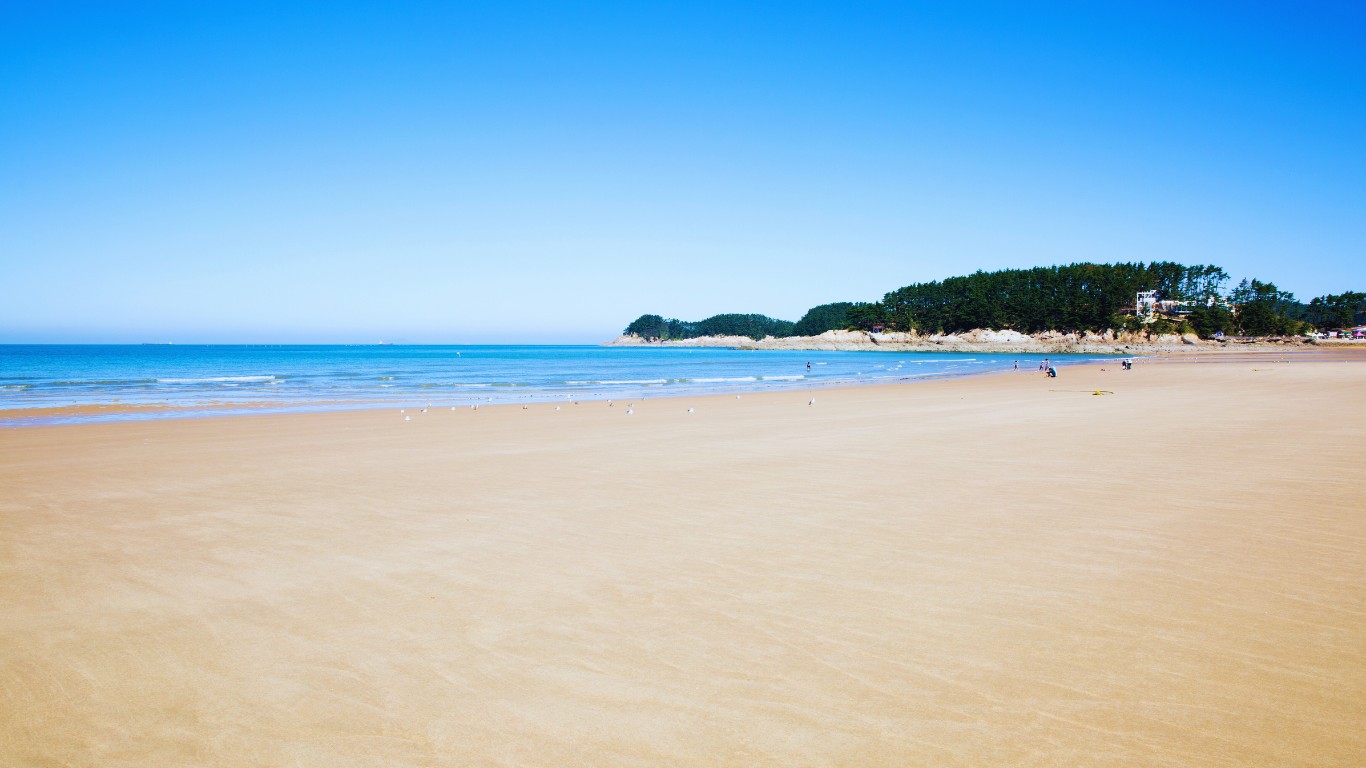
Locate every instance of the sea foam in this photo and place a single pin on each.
(216, 380)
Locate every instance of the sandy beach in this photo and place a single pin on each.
(1000, 571)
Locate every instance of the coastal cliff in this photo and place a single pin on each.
(979, 340)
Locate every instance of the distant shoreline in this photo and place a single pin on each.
(1047, 342)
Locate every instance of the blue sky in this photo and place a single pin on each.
(546, 172)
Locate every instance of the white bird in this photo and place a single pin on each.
(524, 407)
(402, 410)
(452, 407)
(812, 401)
(407, 418)
(737, 397)
(557, 407)
(690, 410)
(609, 403)
(629, 411)
(424, 410)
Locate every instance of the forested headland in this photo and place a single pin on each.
(753, 326)
(1070, 298)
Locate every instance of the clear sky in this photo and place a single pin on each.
(546, 172)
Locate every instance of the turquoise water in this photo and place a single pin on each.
(199, 380)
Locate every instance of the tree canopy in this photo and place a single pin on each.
(1338, 311)
(756, 327)
(1265, 310)
(1072, 297)
(826, 317)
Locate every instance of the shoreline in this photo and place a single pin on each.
(989, 341)
(191, 413)
(25, 418)
(988, 571)
(107, 413)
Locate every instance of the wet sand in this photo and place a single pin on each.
(1010, 570)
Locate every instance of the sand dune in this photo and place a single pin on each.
(1009, 570)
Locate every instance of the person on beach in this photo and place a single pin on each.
(1052, 372)
(1044, 366)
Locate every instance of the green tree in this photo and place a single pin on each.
(650, 327)
(865, 316)
(1264, 309)
(826, 317)
(1070, 297)
(1208, 321)
(654, 327)
(1201, 282)
(1337, 311)
(754, 326)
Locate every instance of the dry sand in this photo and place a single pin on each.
(998, 571)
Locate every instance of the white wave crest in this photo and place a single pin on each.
(216, 380)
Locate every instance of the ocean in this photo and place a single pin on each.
(77, 383)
